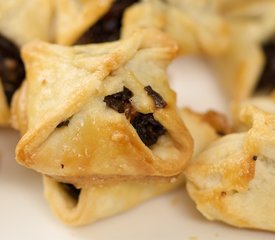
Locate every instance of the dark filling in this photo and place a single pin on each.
(148, 129)
(71, 190)
(63, 124)
(12, 70)
(267, 79)
(107, 28)
(159, 101)
(119, 101)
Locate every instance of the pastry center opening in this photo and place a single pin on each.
(107, 28)
(146, 126)
(71, 191)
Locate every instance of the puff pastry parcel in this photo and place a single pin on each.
(20, 22)
(196, 25)
(233, 179)
(101, 112)
(78, 206)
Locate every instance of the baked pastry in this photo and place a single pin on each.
(72, 18)
(252, 20)
(83, 206)
(246, 68)
(204, 128)
(78, 206)
(117, 121)
(20, 22)
(239, 69)
(195, 25)
(263, 102)
(232, 180)
(107, 27)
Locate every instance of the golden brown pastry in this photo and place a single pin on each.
(239, 69)
(20, 22)
(98, 113)
(204, 128)
(25, 20)
(232, 180)
(85, 205)
(77, 207)
(246, 68)
(73, 18)
(263, 102)
(249, 19)
(195, 25)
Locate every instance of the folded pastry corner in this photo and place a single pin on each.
(246, 68)
(101, 112)
(20, 22)
(195, 25)
(78, 206)
(83, 206)
(264, 102)
(72, 18)
(232, 180)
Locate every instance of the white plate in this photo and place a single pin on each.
(24, 213)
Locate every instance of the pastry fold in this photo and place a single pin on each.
(97, 202)
(245, 68)
(101, 112)
(232, 180)
(86, 205)
(195, 25)
(72, 18)
(25, 20)
(20, 22)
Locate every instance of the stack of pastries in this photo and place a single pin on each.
(85, 84)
